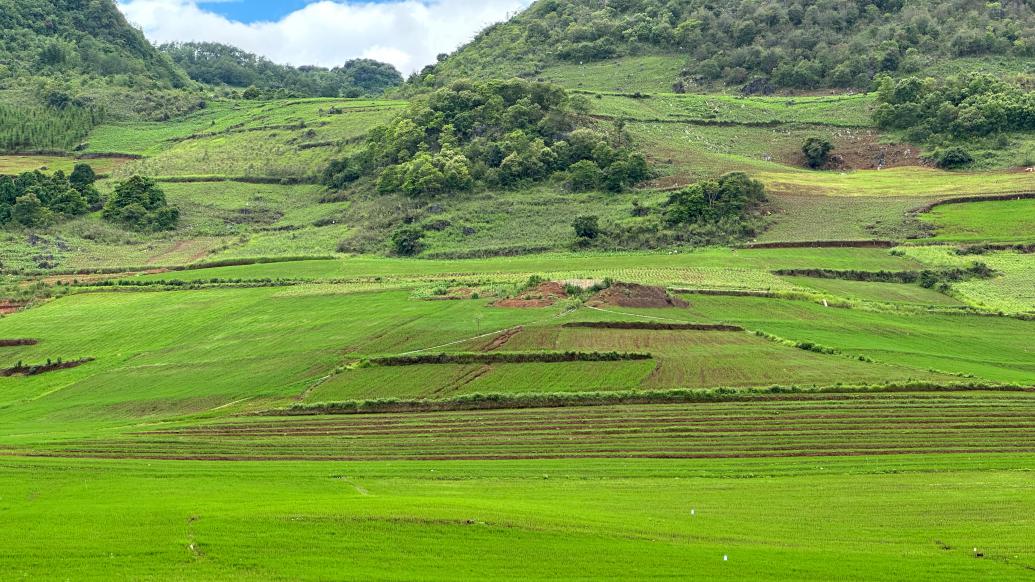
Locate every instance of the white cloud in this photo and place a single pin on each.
(408, 34)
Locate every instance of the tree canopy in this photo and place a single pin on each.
(221, 64)
(493, 133)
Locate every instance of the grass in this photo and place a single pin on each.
(1012, 290)
(16, 164)
(521, 520)
(874, 291)
(998, 221)
(649, 74)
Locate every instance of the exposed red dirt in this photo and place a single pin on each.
(635, 295)
(9, 307)
(545, 295)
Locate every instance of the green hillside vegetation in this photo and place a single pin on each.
(495, 134)
(220, 64)
(763, 45)
(55, 38)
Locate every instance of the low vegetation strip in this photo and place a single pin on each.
(770, 425)
(131, 270)
(565, 399)
(9, 343)
(507, 358)
(20, 369)
(652, 325)
(978, 270)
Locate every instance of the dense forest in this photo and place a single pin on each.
(799, 44)
(220, 64)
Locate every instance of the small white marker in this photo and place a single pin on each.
(725, 558)
(693, 512)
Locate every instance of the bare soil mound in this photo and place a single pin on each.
(545, 295)
(635, 295)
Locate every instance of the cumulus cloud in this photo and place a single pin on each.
(408, 34)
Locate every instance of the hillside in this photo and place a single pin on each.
(753, 44)
(219, 64)
(58, 38)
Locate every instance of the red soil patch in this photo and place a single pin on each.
(635, 295)
(9, 307)
(545, 295)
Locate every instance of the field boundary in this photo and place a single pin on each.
(652, 325)
(967, 199)
(493, 401)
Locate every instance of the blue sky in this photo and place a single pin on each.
(248, 11)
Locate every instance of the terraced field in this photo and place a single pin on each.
(785, 426)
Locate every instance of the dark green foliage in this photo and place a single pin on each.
(220, 64)
(817, 151)
(803, 45)
(732, 196)
(969, 106)
(406, 241)
(140, 204)
(34, 199)
(497, 134)
(54, 38)
(951, 158)
(587, 227)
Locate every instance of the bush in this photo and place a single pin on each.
(406, 241)
(951, 158)
(586, 227)
(817, 151)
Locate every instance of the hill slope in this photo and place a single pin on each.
(88, 37)
(783, 44)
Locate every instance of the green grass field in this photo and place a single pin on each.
(998, 221)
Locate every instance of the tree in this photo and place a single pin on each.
(733, 196)
(586, 227)
(29, 212)
(82, 176)
(817, 151)
(140, 204)
(406, 241)
(584, 175)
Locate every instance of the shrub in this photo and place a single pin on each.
(951, 158)
(586, 227)
(817, 151)
(406, 241)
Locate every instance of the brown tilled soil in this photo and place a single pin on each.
(544, 295)
(635, 295)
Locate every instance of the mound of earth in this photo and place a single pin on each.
(545, 295)
(635, 295)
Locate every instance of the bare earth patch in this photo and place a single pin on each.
(545, 295)
(635, 295)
